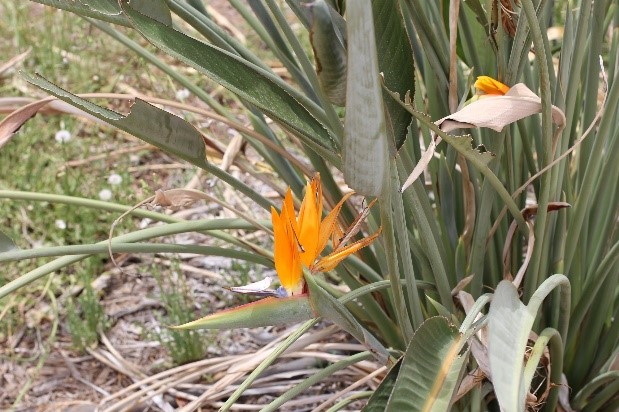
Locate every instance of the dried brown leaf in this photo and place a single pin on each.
(14, 62)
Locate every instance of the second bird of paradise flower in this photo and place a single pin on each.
(489, 86)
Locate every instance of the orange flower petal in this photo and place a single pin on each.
(329, 262)
(309, 225)
(288, 209)
(286, 253)
(488, 85)
(329, 225)
(336, 236)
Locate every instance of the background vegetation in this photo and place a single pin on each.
(305, 97)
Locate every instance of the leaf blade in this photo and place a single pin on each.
(264, 90)
(145, 121)
(264, 312)
(430, 369)
(365, 154)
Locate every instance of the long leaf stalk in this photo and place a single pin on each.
(386, 216)
(100, 248)
(431, 240)
(333, 119)
(414, 303)
(144, 234)
(328, 371)
(275, 43)
(111, 207)
(267, 362)
(552, 338)
(547, 155)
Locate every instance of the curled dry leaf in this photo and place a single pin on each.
(233, 148)
(176, 198)
(14, 61)
(15, 120)
(27, 108)
(479, 346)
(491, 111)
(528, 213)
(564, 395)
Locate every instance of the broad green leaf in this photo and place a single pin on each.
(157, 10)
(431, 368)
(329, 51)
(6, 243)
(145, 121)
(265, 312)
(262, 14)
(109, 10)
(479, 11)
(365, 151)
(330, 308)
(265, 90)
(395, 62)
(380, 397)
(509, 325)
(299, 8)
(105, 10)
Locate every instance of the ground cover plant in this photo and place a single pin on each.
(475, 264)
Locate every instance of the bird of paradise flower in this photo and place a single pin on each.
(299, 241)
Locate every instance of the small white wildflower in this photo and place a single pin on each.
(134, 159)
(144, 223)
(114, 179)
(62, 136)
(60, 224)
(182, 94)
(105, 194)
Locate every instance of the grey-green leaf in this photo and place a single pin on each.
(265, 90)
(365, 151)
(329, 51)
(330, 308)
(109, 10)
(145, 121)
(105, 10)
(464, 145)
(380, 397)
(6, 243)
(509, 324)
(395, 62)
(431, 368)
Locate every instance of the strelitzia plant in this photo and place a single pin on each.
(417, 296)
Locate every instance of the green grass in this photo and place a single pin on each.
(76, 56)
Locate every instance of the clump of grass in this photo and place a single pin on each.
(85, 318)
(184, 346)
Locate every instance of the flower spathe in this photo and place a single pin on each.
(299, 241)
